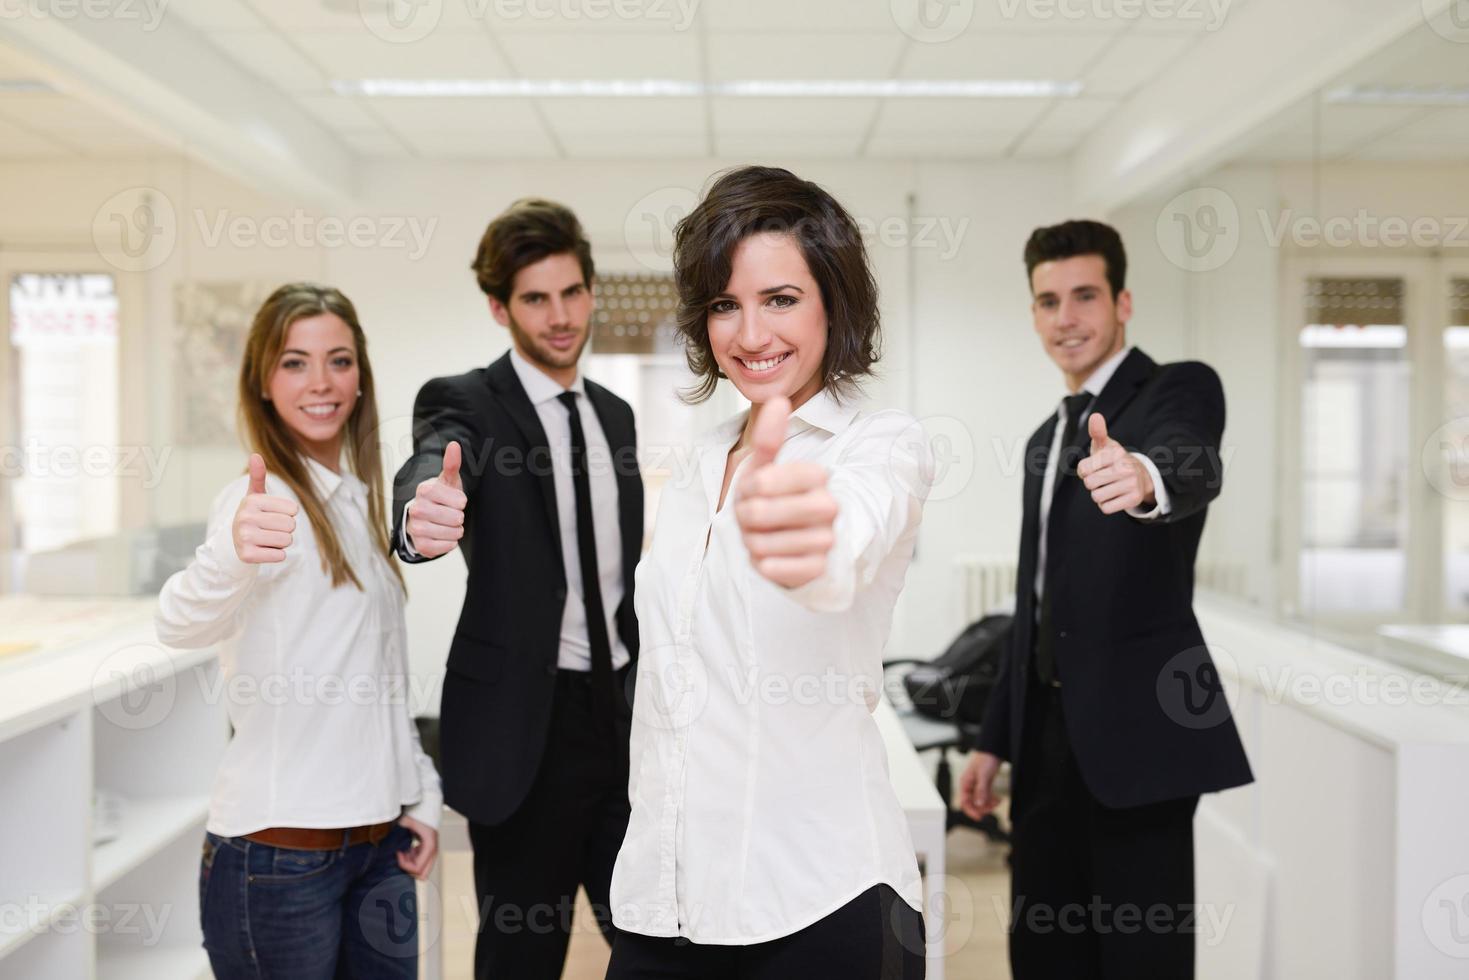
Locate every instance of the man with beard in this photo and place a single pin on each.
(531, 471)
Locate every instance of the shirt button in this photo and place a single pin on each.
(1063, 634)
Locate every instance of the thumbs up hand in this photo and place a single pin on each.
(263, 524)
(1115, 477)
(436, 515)
(785, 511)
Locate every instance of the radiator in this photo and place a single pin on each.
(986, 585)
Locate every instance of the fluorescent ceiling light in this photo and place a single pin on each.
(1399, 95)
(672, 88)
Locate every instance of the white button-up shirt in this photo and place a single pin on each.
(315, 677)
(1161, 506)
(761, 800)
(576, 647)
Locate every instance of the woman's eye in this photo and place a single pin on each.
(782, 302)
(721, 306)
(343, 362)
(294, 364)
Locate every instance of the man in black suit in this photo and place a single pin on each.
(531, 471)
(1108, 705)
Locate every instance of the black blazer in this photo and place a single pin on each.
(502, 663)
(1146, 715)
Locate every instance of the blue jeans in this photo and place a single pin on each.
(274, 912)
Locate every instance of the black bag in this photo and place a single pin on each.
(956, 685)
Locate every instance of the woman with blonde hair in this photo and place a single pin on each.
(325, 806)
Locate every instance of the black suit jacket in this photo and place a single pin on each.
(1144, 709)
(502, 663)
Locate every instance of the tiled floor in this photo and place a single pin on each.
(978, 892)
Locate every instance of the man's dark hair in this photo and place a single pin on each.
(1072, 238)
(523, 234)
(768, 200)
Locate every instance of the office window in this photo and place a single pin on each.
(63, 337)
(1355, 441)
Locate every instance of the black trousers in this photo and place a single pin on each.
(876, 936)
(1096, 893)
(566, 834)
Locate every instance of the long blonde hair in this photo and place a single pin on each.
(273, 440)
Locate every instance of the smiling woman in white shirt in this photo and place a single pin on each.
(325, 806)
(766, 840)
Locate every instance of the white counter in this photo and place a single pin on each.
(96, 703)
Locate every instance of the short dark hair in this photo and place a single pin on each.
(747, 201)
(523, 234)
(1072, 238)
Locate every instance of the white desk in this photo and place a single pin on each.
(1440, 650)
(927, 823)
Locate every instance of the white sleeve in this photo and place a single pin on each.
(428, 810)
(880, 482)
(1162, 505)
(201, 604)
(408, 548)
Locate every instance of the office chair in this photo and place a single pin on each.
(941, 705)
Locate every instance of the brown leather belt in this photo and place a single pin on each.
(307, 839)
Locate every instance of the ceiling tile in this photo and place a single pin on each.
(778, 116)
(1075, 117)
(596, 146)
(600, 18)
(444, 54)
(365, 16)
(587, 56)
(218, 15)
(273, 58)
(339, 111)
(929, 145)
(470, 115)
(496, 145)
(1133, 61)
(1045, 146)
(626, 116)
(948, 117)
(806, 15)
(374, 143)
(774, 149)
(820, 56)
(1027, 56)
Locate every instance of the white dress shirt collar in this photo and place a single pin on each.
(538, 385)
(1098, 379)
(327, 483)
(820, 411)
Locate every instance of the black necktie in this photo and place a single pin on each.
(603, 695)
(1045, 654)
